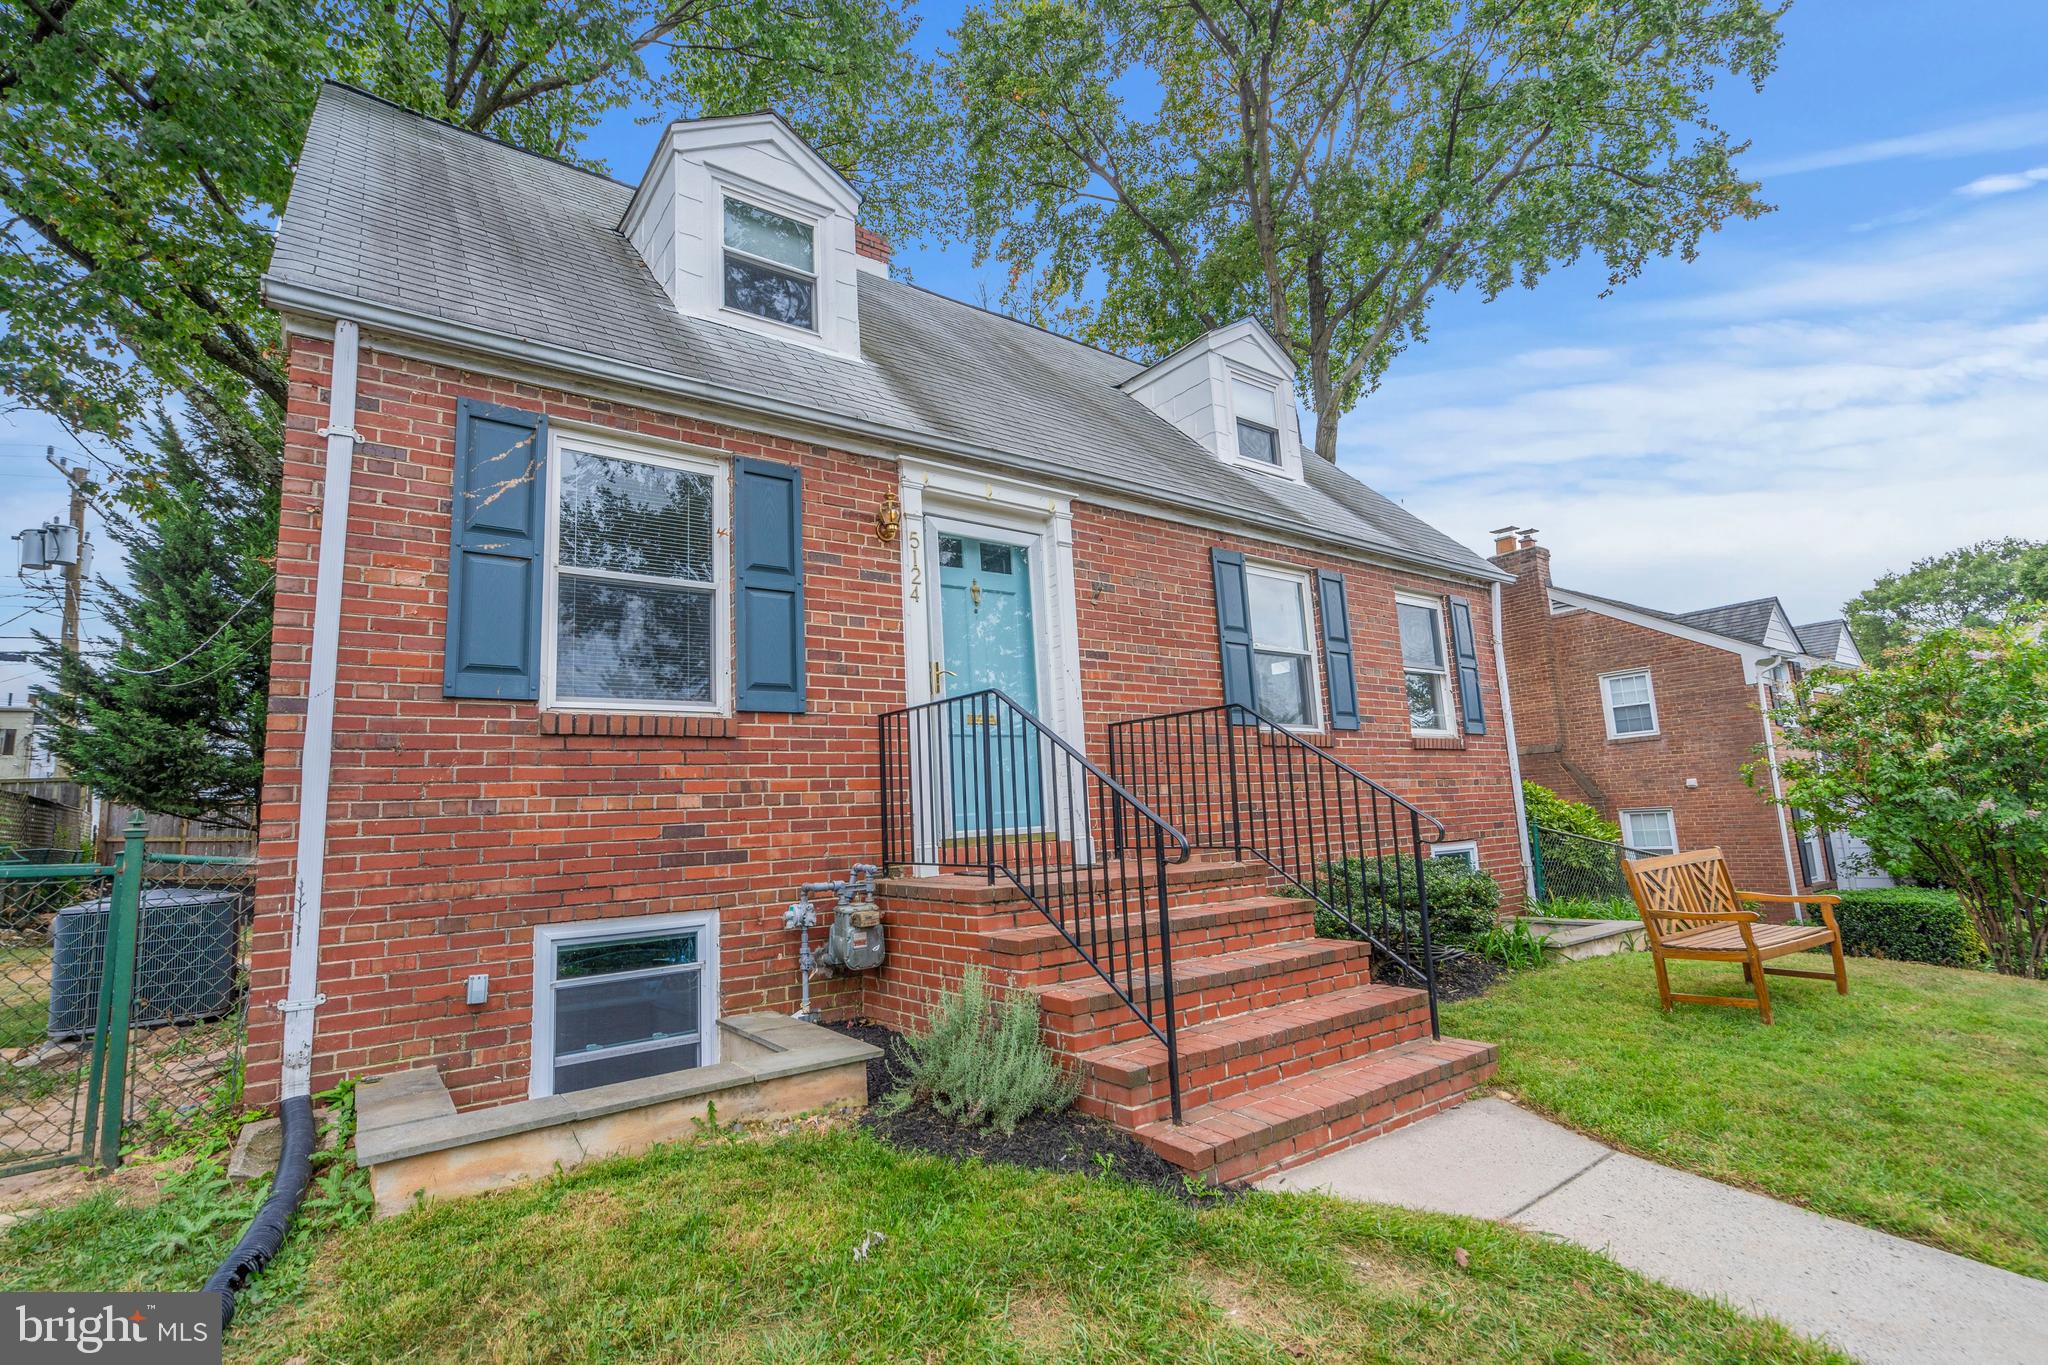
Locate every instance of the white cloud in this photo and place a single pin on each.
(2005, 184)
(2000, 133)
(1797, 437)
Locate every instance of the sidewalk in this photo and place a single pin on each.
(1878, 1297)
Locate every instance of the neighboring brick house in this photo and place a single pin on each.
(1650, 716)
(622, 515)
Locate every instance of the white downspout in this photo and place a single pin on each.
(1507, 717)
(317, 755)
(1763, 696)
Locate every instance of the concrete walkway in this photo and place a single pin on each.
(1878, 1297)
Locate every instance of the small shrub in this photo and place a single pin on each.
(1511, 945)
(981, 1065)
(1589, 907)
(1910, 924)
(1546, 808)
(1463, 903)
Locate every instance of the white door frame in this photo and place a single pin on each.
(1040, 519)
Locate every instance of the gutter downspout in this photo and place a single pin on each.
(266, 1232)
(1763, 696)
(1507, 716)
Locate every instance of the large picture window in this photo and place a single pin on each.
(771, 267)
(637, 580)
(1424, 667)
(1286, 689)
(621, 1000)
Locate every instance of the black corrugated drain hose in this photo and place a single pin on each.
(266, 1230)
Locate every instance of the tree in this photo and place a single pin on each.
(172, 719)
(1936, 761)
(1150, 172)
(146, 149)
(1977, 585)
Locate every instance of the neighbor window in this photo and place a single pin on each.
(1466, 853)
(1631, 709)
(637, 608)
(1258, 422)
(1423, 664)
(1649, 831)
(6, 743)
(770, 265)
(621, 1000)
(1283, 661)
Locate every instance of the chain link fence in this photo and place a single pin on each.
(1572, 867)
(123, 994)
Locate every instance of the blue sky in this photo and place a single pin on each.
(1856, 380)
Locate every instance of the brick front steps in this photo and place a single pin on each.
(1288, 1049)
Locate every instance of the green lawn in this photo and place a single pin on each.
(1918, 1104)
(745, 1250)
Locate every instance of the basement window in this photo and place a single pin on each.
(1651, 832)
(621, 1000)
(770, 265)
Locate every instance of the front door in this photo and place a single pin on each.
(988, 638)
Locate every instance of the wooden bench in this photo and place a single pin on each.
(1692, 910)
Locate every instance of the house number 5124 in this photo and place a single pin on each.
(914, 545)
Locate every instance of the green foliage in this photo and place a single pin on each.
(1580, 851)
(1462, 901)
(1512, 945)
(172, 718)
(982, 1066)
(1935, 761)
(1591, 907)
(1977, 585)
(1909, 924)
(1546, 808)
(1329, 169)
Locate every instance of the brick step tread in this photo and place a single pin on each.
(1252, 906)
(972, 887)
(1252, 1034)
(1256, 1120)
(1206, 972)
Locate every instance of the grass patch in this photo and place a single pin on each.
(1916, 1105)
(747, 1250)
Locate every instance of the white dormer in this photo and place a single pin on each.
(1233, 391)
(742, 223)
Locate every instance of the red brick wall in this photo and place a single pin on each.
(456, 827)
(1709, 724)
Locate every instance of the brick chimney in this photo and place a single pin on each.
(872, 245)
(1523, 557)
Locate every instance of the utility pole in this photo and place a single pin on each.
(74, 572)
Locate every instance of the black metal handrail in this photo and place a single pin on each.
(1234, 779)
(976, 782)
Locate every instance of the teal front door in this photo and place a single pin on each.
(988, 638)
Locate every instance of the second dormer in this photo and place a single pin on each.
(744, 224)
(1231, 390)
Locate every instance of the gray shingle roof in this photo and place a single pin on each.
(1746, 621)
(405, 216)
(1822, 638)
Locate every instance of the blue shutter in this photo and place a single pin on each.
(1342, 681)
(494, 552)
(1234, 629)
(769, 589)
(1469, 699)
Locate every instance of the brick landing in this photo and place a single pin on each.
(1288, 1049)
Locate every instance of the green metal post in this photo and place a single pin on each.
(1536, 862)
(107, 1092)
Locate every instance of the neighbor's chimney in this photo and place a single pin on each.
(1504, 540)
(872, 245)
(1528, 538)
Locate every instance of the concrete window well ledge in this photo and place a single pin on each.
(416, 1145)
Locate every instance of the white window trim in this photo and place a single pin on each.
(815, 274)
(1311, 632)
(548, 937)
(1447, 703)
(1284, 443)
(1607, 703)
(1670, 816)
(1467, 846)
(1232, 378)
(612, 447)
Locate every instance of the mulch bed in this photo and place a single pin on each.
(1068, 1142)
(1460, 974)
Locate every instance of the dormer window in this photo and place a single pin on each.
(770, 265)
(1258, 423)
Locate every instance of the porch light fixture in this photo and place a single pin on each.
(888, 519)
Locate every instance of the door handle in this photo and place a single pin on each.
(938, 673)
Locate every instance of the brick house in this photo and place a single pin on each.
(627, 528)
(1650, 716)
